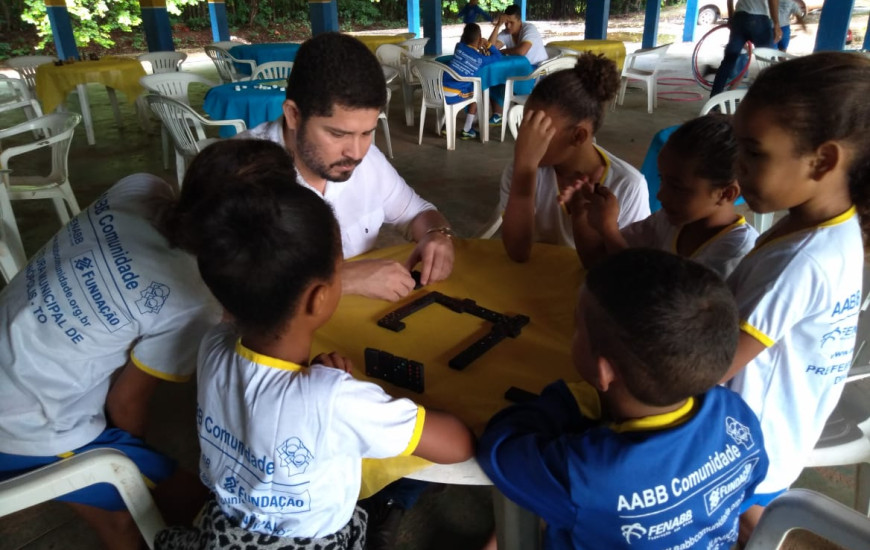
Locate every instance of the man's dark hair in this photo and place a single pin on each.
(514, 11)
(470, 34)
(264, 238)
(667, 324)
(335, 69)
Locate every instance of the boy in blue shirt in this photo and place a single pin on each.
(470, 11)
(648, 452)
(470, 55)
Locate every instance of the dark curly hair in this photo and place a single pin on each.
(582, 93)
(335, 69)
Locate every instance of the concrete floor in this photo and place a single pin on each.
(462, 183)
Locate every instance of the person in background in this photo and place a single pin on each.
(471, 53)
(470, 11)
(517, 38)
(787, 8)
(755, 21)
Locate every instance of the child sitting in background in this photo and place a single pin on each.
(698, 190)
(555, 151)
(471, 53)
(282, 442)
(648, 452)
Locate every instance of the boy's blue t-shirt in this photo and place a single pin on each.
(678, 480)
(466, 61)
(469, 14)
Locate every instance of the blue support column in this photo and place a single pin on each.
(61, 29)
(651, 24)
(414, 17)
(155, 21)
(522, 4)
(323, 15)
(432, 26)
(833, 25)
(217, 11)
(867, 35)
(597, 14)
(691, 21)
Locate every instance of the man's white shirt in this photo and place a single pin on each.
(374, 195)
(537, 54)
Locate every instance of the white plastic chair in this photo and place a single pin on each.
(26, 66)
(431, 75)
(12, 256)
(14, 94)
(400, 59)
(631, 71)
(187, 129)
(59, 129)
(415, 46)
(554, 52)
(766, 57)
(80, 471)
(274, 70)
(390, 74)
(514, 119)
(810, 511)
(726, 102)
(224, 63)
(175, 86)
(545, 68)
(163, 62)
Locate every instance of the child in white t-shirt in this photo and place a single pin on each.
(555, 150)
(698, 190)
(803, 146)
(281, 441)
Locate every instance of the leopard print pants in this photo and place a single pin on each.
(212, 530)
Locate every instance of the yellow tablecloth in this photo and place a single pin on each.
(373, 41)
(612, 49)
(544, 289)
(54, 83)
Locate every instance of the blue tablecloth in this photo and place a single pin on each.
(497, 73)
(263, 53)
(494, 75)
(254, 102)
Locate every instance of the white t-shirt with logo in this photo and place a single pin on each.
(553, 224)
(800, 296)
(374, 195)
(721, 253)
(537, 54)
(282, 444)
(106, 286)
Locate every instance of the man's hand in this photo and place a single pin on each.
(435, 251)
(777, 34)
(533, 139)
(334, 360)
(381, 279)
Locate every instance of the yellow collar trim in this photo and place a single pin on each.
(722, 232)
(265, 360)
(657, 421)
(836, 220)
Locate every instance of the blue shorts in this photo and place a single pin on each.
(154, 466)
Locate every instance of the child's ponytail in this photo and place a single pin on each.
(583, 92)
